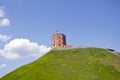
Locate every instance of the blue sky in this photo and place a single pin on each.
(84, 22)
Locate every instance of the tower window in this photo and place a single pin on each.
(53, 44)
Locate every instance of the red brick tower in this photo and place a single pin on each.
(58, 40)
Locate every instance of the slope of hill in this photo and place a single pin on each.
(73, 64)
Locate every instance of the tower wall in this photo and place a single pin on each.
(58, 40)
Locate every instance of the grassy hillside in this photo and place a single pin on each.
(74, 64)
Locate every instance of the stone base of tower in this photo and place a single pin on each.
(70, 47)
(64, 47)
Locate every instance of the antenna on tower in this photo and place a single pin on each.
(57, 31)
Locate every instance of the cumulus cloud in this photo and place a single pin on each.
(2, 13)
(3, 20)
(21, 48)
(4, 38)
(2, 66)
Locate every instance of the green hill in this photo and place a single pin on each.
(73, 64)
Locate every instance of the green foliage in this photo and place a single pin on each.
(74, 64)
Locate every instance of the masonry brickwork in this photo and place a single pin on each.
(58, 40)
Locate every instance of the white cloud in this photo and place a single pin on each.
(21, 48)
(2, 66)
(4, 38)
(3, 20)
(2, 13)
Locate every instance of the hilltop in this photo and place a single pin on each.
(71, 64)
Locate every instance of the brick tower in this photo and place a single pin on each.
(58, 40)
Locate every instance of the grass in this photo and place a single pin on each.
(74, 64)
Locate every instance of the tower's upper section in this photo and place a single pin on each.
(58, 40)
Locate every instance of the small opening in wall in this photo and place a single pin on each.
(59, 45)
(53, 44)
